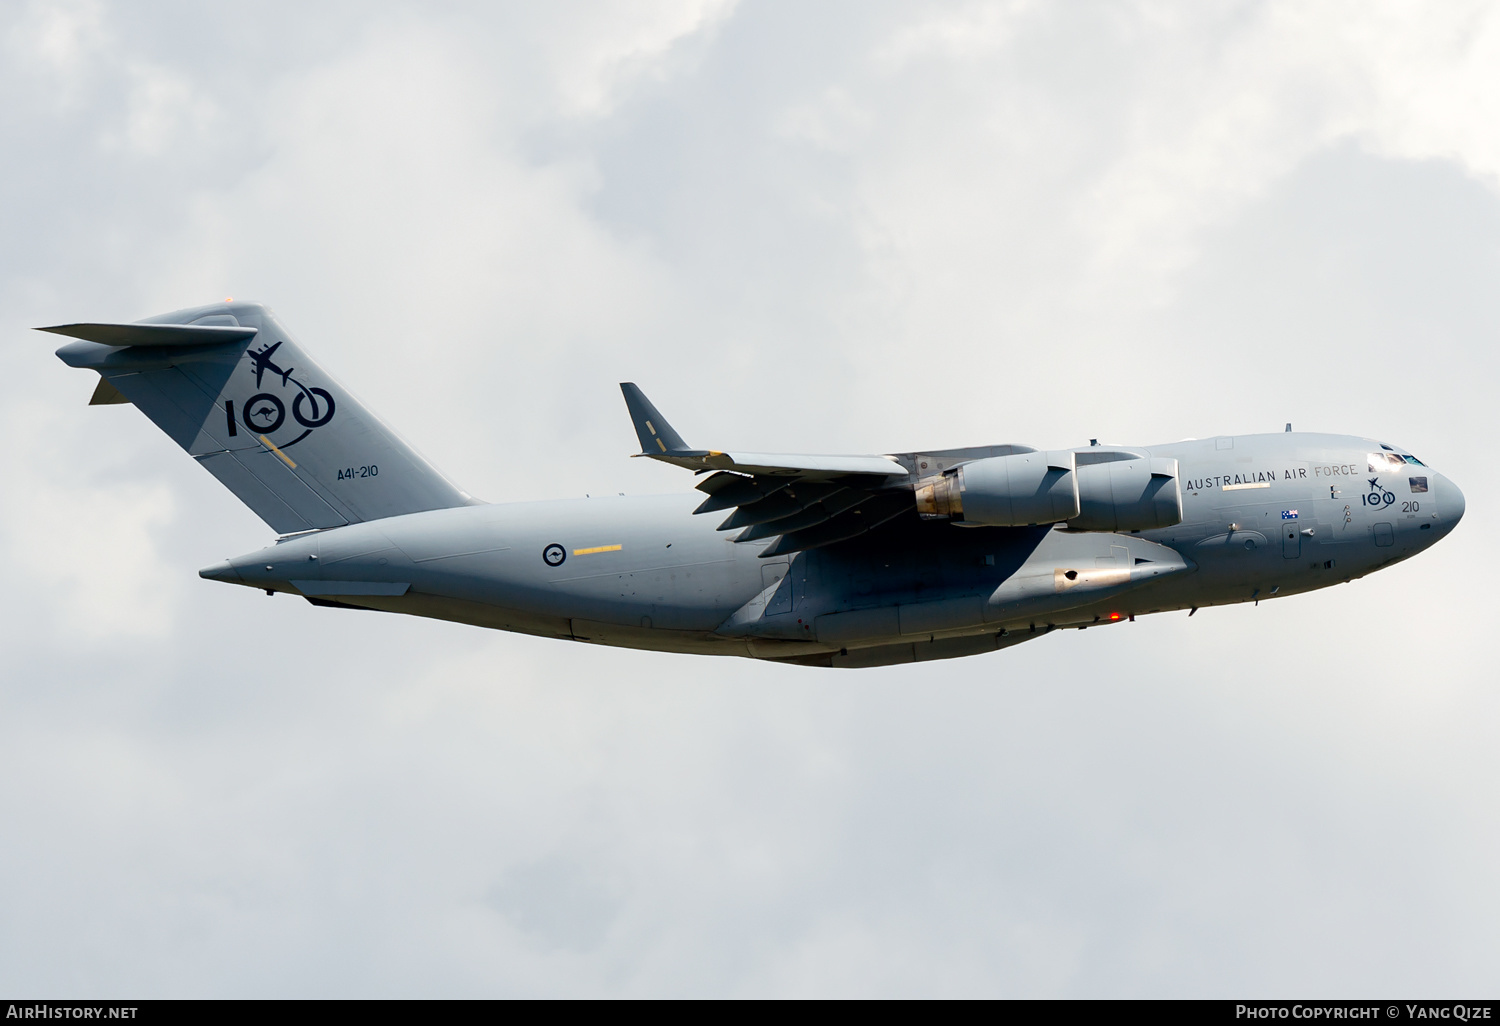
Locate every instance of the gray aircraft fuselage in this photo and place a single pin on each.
(1264, 516)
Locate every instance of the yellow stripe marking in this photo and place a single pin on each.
(285, 458)
(597, 548)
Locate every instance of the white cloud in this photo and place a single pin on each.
(99, 576)
(55, 33)
(164, 112)
(963, 32)
(598, 51)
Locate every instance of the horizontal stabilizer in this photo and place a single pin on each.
(155, 334)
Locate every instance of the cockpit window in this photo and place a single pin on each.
(1414, 461)
(1386, 463)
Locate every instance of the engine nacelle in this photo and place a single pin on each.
(1128, 495)
(1091, 491)
(1004, 491)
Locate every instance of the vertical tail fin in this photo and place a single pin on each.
(230, 385)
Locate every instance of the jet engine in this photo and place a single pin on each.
(1134, 494)
(1004, 491)
(1090, 491)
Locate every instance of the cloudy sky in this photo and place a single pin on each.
(845, 226)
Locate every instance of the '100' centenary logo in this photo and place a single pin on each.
(266, 412)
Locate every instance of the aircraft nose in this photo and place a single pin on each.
(1450, 505)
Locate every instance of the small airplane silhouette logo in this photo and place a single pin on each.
(262, 360)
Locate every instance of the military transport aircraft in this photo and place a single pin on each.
(846, 561)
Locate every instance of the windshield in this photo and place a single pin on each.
(1391, 461)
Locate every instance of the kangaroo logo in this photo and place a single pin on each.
(264, 412)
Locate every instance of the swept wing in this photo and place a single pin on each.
(794, 501)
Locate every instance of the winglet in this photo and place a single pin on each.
(651, 427)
